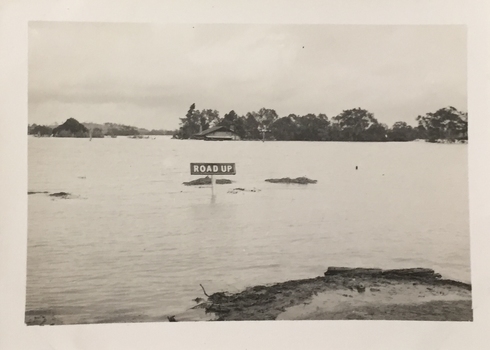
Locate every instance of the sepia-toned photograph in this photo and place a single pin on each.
(246, 172)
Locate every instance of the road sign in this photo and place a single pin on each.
(213, 169)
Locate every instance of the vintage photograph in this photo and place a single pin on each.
(227, 172)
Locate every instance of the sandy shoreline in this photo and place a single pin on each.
(341, 294)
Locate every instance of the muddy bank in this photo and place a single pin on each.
(344, 294)
(41, 318)
(341, 294)
(286, 180)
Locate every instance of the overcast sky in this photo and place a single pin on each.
(148, 75)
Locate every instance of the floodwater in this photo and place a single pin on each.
(134, 242)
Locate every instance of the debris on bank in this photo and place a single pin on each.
(299, 180)
(206, 181)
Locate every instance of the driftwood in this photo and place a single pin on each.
(206, 294)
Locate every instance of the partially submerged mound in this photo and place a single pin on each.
(286, 180)
(206, 181)
(60, 194)
(55, 194)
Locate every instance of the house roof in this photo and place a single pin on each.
(213, 129)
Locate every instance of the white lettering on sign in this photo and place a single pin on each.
(213, 169)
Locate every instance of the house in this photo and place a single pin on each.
(217, 133)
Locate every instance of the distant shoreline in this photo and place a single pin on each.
(150, 137)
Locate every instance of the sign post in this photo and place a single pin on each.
(212, 186)
(263, 130)
(213, 169)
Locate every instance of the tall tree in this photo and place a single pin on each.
(376, 132)
(265, 117)
(284, 129)
(446, 123)
(251, 127)
(207, 118)
(232, 121)
(71, 128)
(41, 130)
(311, 127)
(401, 131)
(353, 123)
(190, 124)
(229, 119)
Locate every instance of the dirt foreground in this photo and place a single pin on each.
(344, 294)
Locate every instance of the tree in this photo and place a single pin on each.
(401, 131)
(71, 128)
(120, 130)
(189, 125)
(229, 119)
(353, 124)
(211, 116)
(445, 124)
(41, 130)
(311, 127)
(265, 117)
(232, 121)
(251, 127)
(376, 132)
(97, 133)
(207, 118)
(285, 129)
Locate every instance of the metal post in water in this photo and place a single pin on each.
(212, 186)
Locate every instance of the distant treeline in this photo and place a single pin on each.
(445, 125)
(72, 128)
